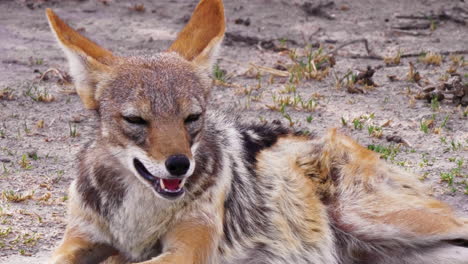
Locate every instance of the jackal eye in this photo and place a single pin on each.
(136, 120)
(192, 118)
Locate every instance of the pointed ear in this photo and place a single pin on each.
(202, 36)
(89, 63)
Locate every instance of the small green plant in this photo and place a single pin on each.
(283, 42)
(344, 122)
(455, 145)
(401, 163)
(39, 61)
(424, 127)
(289, 88)
(313, 65)
(455, 177)
(357, 124)
(26, 129)
(219, 74)
(289, 118)
(425, 160)
(433, 25)
(39, 95)
(5, 232)
(309, 105)
(5, 170)
(387, 152)
(31, 239)
(435, 105)
(444, 123)
(447, 177)
(73, 130)
(374, 131)
(7, 93)
(33, 155)
(309, 119)
(24, 162)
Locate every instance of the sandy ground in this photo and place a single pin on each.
(39, 139)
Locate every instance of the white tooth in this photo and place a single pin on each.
(181, 184)
(161, 182)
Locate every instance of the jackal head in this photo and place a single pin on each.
(152, 108)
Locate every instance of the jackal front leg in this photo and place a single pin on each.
(77, 248)
(189, 242)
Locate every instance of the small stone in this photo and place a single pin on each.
(464, 100)
(429, 89)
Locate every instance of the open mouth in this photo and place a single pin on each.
(167, 188)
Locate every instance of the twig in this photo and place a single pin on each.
(270, 70)
(411, 33)
(369, 55)
(445, 53)
(407, 55)
(411, 26)
(413, 17)
(366, 45)
(63, 76)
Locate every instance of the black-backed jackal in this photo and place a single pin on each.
(166, 182)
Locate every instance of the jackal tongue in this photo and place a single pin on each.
(171, 184)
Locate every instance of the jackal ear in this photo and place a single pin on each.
(89, 63)
(200, 39)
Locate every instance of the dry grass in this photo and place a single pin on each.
(15, 197)
(413, 75)
(431, 58)
(393, 60)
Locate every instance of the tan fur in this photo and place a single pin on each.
(196, 41)
(92, 57)
(412, 219)
(168, 139)
(77, 248)
(76, 41)
(327, 200)
(190, 242)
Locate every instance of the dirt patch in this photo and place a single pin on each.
(295, 61)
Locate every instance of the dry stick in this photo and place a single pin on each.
(411, 33)
(372, 56)
(63, 76)
(366, 45)
(413, 17)
(407, 55)
(270, 70)
(441, 16)
(445, 53)
(416, 26)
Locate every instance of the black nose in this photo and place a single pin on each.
(177, 165)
